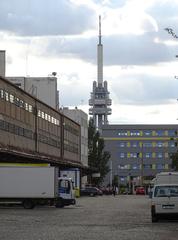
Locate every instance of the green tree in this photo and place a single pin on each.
(174, 158)
(97, 157)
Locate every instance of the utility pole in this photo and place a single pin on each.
(142, 165)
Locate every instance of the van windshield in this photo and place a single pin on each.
(166, 191)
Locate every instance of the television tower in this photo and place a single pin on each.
(100, 100)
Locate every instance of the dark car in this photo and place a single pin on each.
(89, 191)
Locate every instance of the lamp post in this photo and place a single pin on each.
(110, 180)
(141, 164)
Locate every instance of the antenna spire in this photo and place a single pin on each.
(99, 30)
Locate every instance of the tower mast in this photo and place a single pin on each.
(100, 57)
(100, 101)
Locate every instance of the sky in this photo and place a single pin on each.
(139, 55)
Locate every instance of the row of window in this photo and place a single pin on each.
(144, 155)
(147, 133)
(48, 140)
(71, 147)
(12, 128)
(15, 100)
(145, 166)
(146, 144)
(26, 106)
(71, 129)
(48, 117)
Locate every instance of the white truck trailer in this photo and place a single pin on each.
(32, 186)
(164, 199)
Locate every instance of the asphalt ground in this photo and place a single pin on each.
(124, 217)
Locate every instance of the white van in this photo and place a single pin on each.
(164, 200)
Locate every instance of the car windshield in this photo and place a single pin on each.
(166, 191)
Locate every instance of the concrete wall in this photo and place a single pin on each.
(43, 88)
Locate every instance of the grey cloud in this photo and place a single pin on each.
(145, 90)
(111, 3)
(118, 50)
(165, 14)
(135, 50)
(39, 17)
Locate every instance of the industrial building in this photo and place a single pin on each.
(43, 88)
(81, 118)
(139, 152)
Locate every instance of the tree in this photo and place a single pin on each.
(174, 158)
(97, 157)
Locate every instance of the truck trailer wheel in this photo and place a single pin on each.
(28, 204)
(59, 203)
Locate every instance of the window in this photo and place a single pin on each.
(122, 144)
(1, 93)
(159, 144)
(172, 133)
(147, 132)
(21, 104)
(30, 108)
(160, 155)
(26, 106)
(148, 155)
(122, 155)
(134, 144)
(135, 166)
(122, 166)
(123, 179)
(162, 191)
(46, 116)
(135, 133)
(172, 144)
(133, 155)
(39, 113)
(6, 96)
(160, 166)
(147, 166)
(17, 102)
(42, 115)
(122, 133)
(147, 144)
(160, 133)
(11, 98)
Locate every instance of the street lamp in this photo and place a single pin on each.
(141, 165)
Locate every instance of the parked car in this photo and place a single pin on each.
(140, 190)
(90, 191)
(100, 192)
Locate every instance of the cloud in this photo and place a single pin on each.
(38, 18)
(144, 89)
(118, 49)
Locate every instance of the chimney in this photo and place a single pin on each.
(2, 63)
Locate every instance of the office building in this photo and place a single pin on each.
(139, 152)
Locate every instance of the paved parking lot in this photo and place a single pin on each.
(104, 217)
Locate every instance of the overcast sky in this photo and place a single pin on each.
(41, 37)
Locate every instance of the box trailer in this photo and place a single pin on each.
(32, 186)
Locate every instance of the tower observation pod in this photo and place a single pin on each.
(100, 100)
